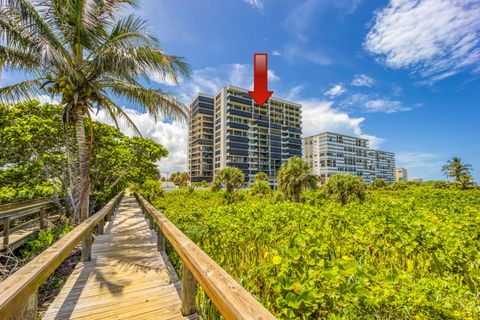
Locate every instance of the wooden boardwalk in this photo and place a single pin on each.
(127, 278)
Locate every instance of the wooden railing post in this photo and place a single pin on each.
(101, 226)
(87, 248)
(160, 239)
(29, 309)
(6, 230)
(41, 217)
(189, 291)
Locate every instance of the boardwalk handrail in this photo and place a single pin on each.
(21, 288)
(230, 298)
(21, 210)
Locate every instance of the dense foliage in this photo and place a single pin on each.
(231, 178)
(345, 188)
(36, 155)
(409, 253)
(180, 179)
(295, 176)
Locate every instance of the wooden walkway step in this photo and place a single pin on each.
(127, 277)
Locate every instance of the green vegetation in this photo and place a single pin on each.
(460, 172)
(46, 237)
(260, 186)
(294, 177)
(35, 148)
(408, 253)
(345, 188)
(378, 184)
(85, 54)
(231, 178)
(180, 179)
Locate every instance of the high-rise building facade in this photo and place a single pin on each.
(249, 137)
(330, 153)
(253, 138)
(200, 138)
(381, 165)
(401, 174)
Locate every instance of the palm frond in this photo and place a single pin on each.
(140, 62)
(18, 59)
(22, 91)
(154, 101)
(34, 22)
(116, 112)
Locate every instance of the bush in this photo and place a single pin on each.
(260, 187)
(378, 184)
(345, 188)
(399, 185)
(151, 190)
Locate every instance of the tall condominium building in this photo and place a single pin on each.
(331, 153)
(401, 174)
(200, 138)
(381, 165)
(253, 138)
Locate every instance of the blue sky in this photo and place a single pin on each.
(404, 73)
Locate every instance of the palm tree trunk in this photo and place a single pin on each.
(84, 163)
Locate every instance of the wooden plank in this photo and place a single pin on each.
(230, 298)
(126, 278)
(15, 290)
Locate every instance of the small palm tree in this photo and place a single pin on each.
(465, 182)
(260, 186)
(456, 169)
(295, 176)
(231, 178)
(85, 54)
(345, 188)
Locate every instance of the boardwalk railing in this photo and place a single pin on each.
(31, 215)
(18, 293)
(230, 298)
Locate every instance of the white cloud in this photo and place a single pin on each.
(298, 20)
(295, 53)
(424, 165)
(48, 99)
(374, 103)
(211, 79)
(173, 136)
(257, 4)
(362, 80)
(294, 93)
(319, 116)
(387, 106)
(433, 38)
(336, 90)
(276, 53)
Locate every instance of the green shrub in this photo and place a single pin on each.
(151, 190)
(345, 188)
(378, 184)
(46, 237)
(260, 186)
(406, 254)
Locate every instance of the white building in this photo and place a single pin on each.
(401, 174)
(330, 153)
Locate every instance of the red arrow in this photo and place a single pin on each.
(260, 91)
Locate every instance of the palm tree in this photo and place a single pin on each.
(295, 176)
(86, 55)
(456, 169)
(231, 178)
